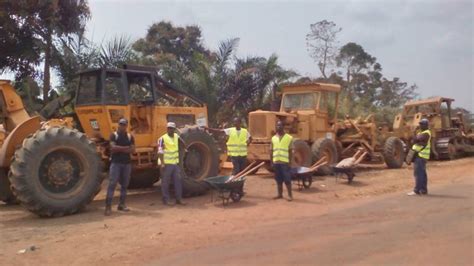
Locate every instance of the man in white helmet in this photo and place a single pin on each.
(168, 153)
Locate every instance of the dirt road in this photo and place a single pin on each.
(369, 222)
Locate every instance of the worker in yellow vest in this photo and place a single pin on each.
(280, 151)
(422, 148)
(168, 154)
(238, 140)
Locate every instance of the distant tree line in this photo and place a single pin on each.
(42, 36)
(365, 89)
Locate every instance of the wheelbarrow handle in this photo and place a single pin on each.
(239, 174)
(246, 172)
(316, 166)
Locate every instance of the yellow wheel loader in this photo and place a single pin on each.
(55, 165)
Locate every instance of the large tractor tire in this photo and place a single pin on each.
(6, 194)
(144, 178)
(393, 152)
(325, 147)
(302, 155)
(56, 172)
(201, 161)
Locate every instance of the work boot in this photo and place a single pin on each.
(180, 202)
(280, 191)
(167, 203)
(290, 192)
(108, 210)
(123, 208)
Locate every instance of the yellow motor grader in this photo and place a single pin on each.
(309, 115)
(309, 112)
(379, 144)
(55, 165)
(452, 137)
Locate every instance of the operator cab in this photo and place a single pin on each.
(136, 93)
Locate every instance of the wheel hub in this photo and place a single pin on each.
(196, 161)
(60, 172)
(193, 160)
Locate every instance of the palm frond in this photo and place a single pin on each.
(116, 52)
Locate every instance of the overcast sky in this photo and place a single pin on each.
(429, 43)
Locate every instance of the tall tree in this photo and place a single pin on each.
(164, 41)
(354, 59)
(36, 26)
(321, 43)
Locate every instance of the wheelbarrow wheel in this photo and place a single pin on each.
(307, 182)
(235, 196)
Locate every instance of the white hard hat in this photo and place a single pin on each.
(171, 124)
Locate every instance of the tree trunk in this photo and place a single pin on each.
(47, 63)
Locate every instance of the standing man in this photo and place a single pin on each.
(168, 152)
(122, 144)
(238, 140)
(280, 151)
(422, 147)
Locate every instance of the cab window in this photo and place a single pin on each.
(114, 92)
(140, 88)
(90, 91)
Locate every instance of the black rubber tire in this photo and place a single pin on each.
(339, 150)
(30, 187)
(144, 178)
(393, 152)
(307, 181)
(453, 153)
(6, 194)
(205, 148)
(235, 196)
(302, 155)
(323, 147)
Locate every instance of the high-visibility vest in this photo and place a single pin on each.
(171, 151)
(281, 148)
(237, 143)
(423, 152)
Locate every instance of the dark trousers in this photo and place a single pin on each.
(421, 178)
(171, 171)
(282, 173)
(238, 163)
(118, 173)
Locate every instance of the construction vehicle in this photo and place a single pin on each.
(378, 143)
(59, 163)
(308, 112)
(451, 135)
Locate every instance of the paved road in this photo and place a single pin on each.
(391, 230)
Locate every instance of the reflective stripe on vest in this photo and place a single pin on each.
(237, 143)
(171, 151)
(281, 148)
(423, 152)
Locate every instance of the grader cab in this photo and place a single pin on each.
(58, 164)
(309, 114)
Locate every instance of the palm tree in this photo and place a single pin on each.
(116, 52)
